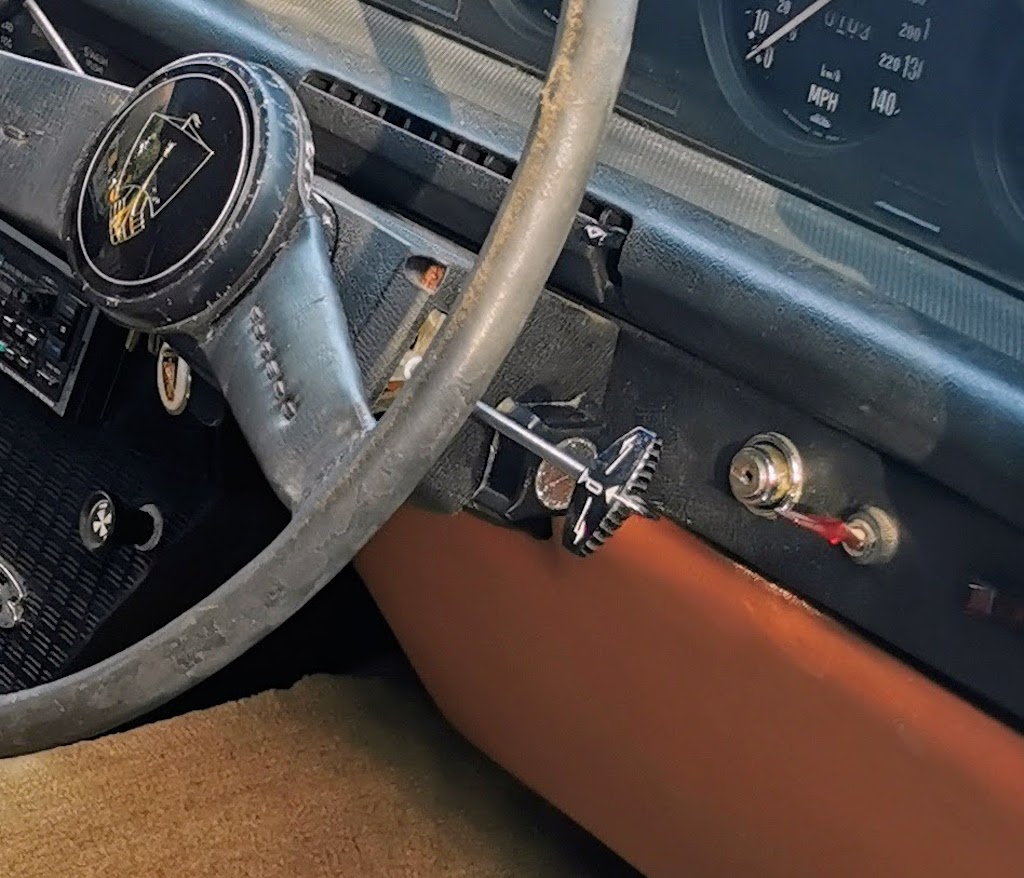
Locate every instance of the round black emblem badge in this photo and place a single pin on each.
(164, 180)
(189, 192)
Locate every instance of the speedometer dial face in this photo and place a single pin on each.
(832, 70)
(546, 12)
(531, 17)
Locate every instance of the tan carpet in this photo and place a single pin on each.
(336, 777)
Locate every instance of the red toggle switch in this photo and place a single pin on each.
(834, 531)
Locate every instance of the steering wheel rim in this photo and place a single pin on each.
(363, 488)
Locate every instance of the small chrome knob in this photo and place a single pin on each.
(879, 537)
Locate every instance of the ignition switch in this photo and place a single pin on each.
(767, 474)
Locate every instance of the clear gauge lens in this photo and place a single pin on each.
(546, 12)
(1010, 137)
(834, 70)
(533, 17)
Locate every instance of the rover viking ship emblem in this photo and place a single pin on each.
(166, 156)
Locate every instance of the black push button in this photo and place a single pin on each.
(54, 349)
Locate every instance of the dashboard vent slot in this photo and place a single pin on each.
(397, 117)
(413, 124)
(375, 149)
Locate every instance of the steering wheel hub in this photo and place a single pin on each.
(183, 186)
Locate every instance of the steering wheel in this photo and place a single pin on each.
(193, 213)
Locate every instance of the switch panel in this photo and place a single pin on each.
(44, 326)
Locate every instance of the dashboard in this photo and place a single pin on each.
(799, 253)
(815, 214)
(904, 115)
(907, 115)
(21, 35)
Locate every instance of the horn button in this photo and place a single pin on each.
(189, 192)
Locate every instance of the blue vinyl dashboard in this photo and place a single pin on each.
(907, 115)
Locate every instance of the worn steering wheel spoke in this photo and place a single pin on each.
(284, 359)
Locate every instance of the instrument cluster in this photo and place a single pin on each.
(924, 94)
(831, 71)
(907, 115)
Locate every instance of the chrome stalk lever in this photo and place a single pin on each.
(9, 8)
(608, 489)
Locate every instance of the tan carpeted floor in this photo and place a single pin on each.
(337, 777)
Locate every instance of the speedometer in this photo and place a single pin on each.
(830, 70)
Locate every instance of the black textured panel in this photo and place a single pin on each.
(47, 469)
(916, 604)
(564, 351)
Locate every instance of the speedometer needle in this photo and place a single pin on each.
(788, 27)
